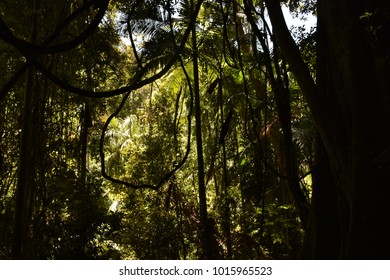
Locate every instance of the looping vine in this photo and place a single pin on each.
(188, 147)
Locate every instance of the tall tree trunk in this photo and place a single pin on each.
(26, 182)
(324, 232)
(85, 124)
(350, 108)
(26, 179)
(289, 164)
(226, 223)
(279, 83)
(359, 75)
(206, 231)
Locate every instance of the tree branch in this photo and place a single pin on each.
(293, 56)
(16, 76)
(24, 46)
(137, 82)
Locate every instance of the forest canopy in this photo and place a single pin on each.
(194, 129)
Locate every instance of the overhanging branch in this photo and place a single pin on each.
(24, 46)
(57, 32)
(137, 81)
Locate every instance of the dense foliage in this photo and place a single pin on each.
(168, 130)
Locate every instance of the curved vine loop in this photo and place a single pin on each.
(188, 147)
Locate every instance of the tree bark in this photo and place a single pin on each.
(359, 79)
(289, 164)
(226, 222)
(26, 174)
(207, 239)
(324, 233)
(29, 145)
(350, 108)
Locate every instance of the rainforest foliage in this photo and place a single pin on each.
(194, 129)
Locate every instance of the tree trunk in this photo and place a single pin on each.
(207, 238)
(289, 164)
(323, 239)
(26, 174)
(83, 191)
(279, 84)
(350, 108)
(26, 182)
(359, 72)
(226, 222)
